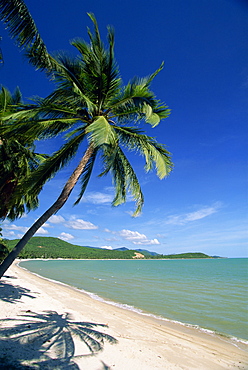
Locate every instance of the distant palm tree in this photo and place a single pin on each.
(92, 102)
(17, 160)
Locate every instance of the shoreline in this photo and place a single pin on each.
(144, 342)
(227, 337)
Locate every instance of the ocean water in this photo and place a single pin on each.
(207, 293)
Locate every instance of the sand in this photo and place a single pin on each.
(48, 325)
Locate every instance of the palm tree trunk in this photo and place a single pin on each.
(53, 209)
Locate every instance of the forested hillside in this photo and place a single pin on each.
(48, 247)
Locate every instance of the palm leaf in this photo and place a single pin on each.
(124, 178)
(16, 16)
(37, 129)
(52, 165)
(154, 74)
(101, 132)
(17, 97)
(99, 67)
(155, 154)
(86, 176)
(138, 102)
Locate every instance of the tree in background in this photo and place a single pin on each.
(92, 105)
(3, 247)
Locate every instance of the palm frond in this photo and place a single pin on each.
(96, 38)
(101, 132)
(17, 96)
(86, 176)
(37, 129)
(25, 204)
(52, 165)
(132, 99)
(17, 162)
(100, 70)
(16, 16)
(4, 100)
(88, 101)
(124, 178)
(18, 19)
(21, 26)
(70, 69)
(155, 114)
(154, 74)
(74, 89)
(155, 154)
(137, 100)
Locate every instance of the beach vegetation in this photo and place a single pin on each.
(49, 247)
(3, 247)
(3, 250)
(100, 116)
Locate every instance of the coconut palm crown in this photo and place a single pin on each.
(91, 101)
(91, 104)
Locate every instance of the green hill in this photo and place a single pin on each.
(48, 247)
(188, 255)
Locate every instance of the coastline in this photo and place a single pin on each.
(144, 342)
(99, 297)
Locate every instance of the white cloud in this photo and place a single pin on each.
(41, 231)
(107, 230)
(132, 235)
(79, 224)
(23, 229)
(200, 214)
(101, 198)
(193, 216)
(10, 229)
(98, 198)
(148, 242)
(107, 247)
(66, 236)
(114, 239)
(136, 238)
(54, 219)
(8, 234)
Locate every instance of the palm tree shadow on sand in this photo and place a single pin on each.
(13, 293)
(49, 340)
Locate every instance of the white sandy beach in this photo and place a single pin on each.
(40, 321)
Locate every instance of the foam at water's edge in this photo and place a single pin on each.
(234, 340)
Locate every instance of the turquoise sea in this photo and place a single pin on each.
(207, 293)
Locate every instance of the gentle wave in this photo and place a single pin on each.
(234, 340)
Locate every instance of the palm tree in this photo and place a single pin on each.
(91, 102)
(17, 160)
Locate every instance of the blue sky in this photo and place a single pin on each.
(202, 205)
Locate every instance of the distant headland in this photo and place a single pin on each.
(49, 247)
